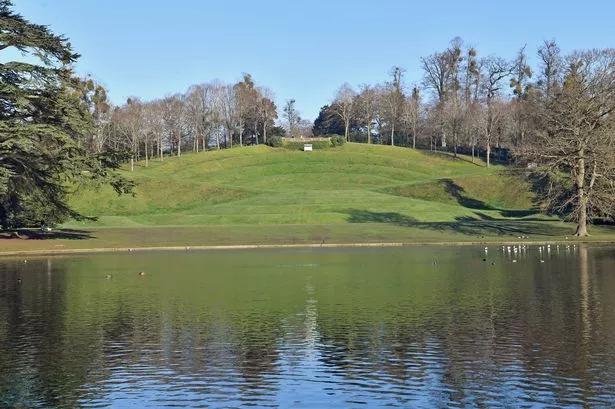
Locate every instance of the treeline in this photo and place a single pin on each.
(465, 102)
(209, 115)
(555, 119)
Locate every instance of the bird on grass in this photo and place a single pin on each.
(141, 273)
(108, 276)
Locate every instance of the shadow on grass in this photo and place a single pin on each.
(481, 225)
(458, 193)
(35, 234)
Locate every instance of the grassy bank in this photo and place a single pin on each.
(350, 194)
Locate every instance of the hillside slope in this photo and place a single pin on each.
(354, 183)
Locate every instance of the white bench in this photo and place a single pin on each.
(307, 147)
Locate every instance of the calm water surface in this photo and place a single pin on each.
(416, 327)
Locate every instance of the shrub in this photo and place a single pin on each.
(298, 145)
(275, 141)
(338, 140)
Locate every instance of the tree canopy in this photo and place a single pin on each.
(44, 122)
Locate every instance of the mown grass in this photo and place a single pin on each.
(353, 193)
(261, 185)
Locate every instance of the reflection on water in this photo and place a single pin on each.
(420, 327)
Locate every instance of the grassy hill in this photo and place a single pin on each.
(354, 183)
(351, 194)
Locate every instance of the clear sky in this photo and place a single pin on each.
(300, 49)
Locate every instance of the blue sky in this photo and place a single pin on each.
(300, 49)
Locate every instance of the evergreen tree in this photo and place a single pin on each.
(44, 123)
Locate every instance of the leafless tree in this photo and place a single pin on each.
(343, 106)
(574, 144)
(496, 70)
(366, 107)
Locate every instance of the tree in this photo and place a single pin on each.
(392, 101)
(574, 143)
(496, 70)
(412, 113)
(328, 122)
(366, 106)
(343, 106)
(292, 118)
(173, 114)
(268, 111)
(44, 122)
(551, 67)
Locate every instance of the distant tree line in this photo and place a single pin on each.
(207, 116)
(555, 119)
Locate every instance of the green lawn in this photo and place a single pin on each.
(261, 185)
(353, 193)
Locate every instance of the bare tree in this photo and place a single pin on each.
(268, 110)
(412, 113)
(496, 70)
(229, 113)
(574, 144)
(366, 107)
(392, 101)
(292, 117)
(551, 67)
(173, 114)
(343, 106)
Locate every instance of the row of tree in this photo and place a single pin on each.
(556, 119)
(209, 115)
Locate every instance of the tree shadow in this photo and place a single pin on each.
(36, 234)
(481, 225)
(458, 193)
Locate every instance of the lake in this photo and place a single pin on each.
(414, 327)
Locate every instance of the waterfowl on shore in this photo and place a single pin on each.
(108, 276)
(141, 273)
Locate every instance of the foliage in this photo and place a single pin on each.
(337, 140)
(275, 141)
(44, 124)
(328, 122)
(298, 145)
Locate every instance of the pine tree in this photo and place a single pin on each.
(44, 121)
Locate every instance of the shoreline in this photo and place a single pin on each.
(57, 252)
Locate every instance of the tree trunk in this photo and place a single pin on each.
(393, 134)
(132, 164)
(218, 137)
(265, 131)
(413, 136)
(369, 134)
(488, 155)
(179, 144)
(347, 125)
(582, 194)
(455, 144)
(146, 154)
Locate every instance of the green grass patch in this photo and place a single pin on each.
(355, 192)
